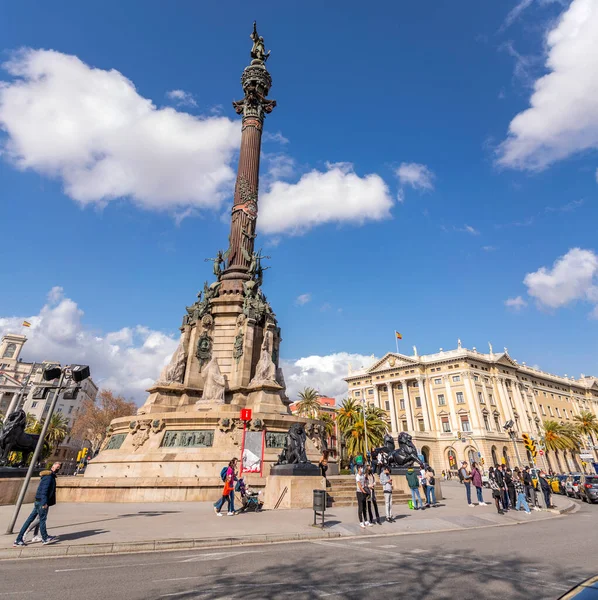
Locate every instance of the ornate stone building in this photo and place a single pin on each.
(455, 404)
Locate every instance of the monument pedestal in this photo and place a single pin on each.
(291, 491)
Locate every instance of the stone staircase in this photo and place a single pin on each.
(341, 492)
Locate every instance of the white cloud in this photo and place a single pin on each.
(181, 98)
(277, 166)
(418, 176)
(337, 195)
(303, 299)
(469, 229)
(275, 137)
(515, 12)
(596, 175)
(324, 373)
(127, 361)
(572, 277)
(563, 115)
(489, 248)
(515, 303)
(91, 129)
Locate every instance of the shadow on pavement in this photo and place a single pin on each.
(67, 537)
(125, 516)
(369, 572)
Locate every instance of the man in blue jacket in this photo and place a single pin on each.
(44, 498)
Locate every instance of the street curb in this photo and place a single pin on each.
(60, 551)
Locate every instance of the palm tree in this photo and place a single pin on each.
(328, 422)
(586, 424)
(347, 414)
(308, 405)
(57, 430)
(355, 436)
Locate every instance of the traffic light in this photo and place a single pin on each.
(530, 445)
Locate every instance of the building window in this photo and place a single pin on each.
(542, 409)
(421, 425)
(550, 411)
(371, 392)
(460, 399)
(487, 423)
(437, 381)
(476, 378)
(59, 409)
(446, 426)
(558, 412)
(492, 401)
(402, 403)
(10, 351)
(71, 409)
(387, 404)
(456, 378)
(497, 423)
(481, 398)
(357, 393)
(34, 404)
(441, 400)
(404, 425)
(565, 411)
(418, 402)
(465, 423)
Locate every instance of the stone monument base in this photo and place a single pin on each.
(291, 491)
(296, 470)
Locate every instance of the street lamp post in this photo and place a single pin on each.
(510, 429)
(75, 372)
(365, 430)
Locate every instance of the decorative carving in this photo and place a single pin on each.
(158, 425)
(225, 424)
(275, 439)
(174, 371)
(204, 348)
(218, 261)
(258, 50)
(188, 439)
(280, 377)
(392, 361)
(214, 383)
(238, 346)
(14, 439)
(317, 435)
(256, 425)
(114, 442)
(141, 433)
(240, 320)
(196, 311)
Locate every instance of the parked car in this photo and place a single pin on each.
(588, 488)
(558, 484)
(572, 485)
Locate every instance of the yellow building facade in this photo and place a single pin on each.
(455, 404)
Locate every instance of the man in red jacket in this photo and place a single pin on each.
(44, 498)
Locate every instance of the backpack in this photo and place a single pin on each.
(460, 476)
(223, 473)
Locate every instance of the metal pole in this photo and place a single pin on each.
(365, 431)
(36, 453)
(512, 435)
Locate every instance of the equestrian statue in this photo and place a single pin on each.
(14, 439)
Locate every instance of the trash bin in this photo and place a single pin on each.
(319, 500)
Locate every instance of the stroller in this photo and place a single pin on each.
(250, 500)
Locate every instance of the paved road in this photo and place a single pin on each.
(532, 561)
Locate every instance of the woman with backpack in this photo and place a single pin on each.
(431, 487)
(495, 486)
(229, 476)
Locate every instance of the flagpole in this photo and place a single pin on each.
(397, 342)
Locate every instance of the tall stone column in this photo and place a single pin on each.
(408, 411)
(256, 82)
(520, 403)
(474, 405)
(376, 397)
(433, 406)
(451, 404)
(425, 410)
(507, 411)
(393, 409)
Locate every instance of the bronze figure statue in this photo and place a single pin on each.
(294, 446)
(14, 439)
(258, 51)
(405, 456)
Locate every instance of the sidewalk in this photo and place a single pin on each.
(88, 528)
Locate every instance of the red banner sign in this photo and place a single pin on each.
(245, 414)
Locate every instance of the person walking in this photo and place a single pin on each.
(424, 484)
(386, 481)
(431, 487)
(496, 489)
(465, 477)
(361, 497)
(44, 498)
(476, 479)
(530, 490)
(413, 483)
(351, 465)
(520, 491)
(545, 487)
(229, 478)
(370, 484)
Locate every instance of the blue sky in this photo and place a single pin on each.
(407, 204)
